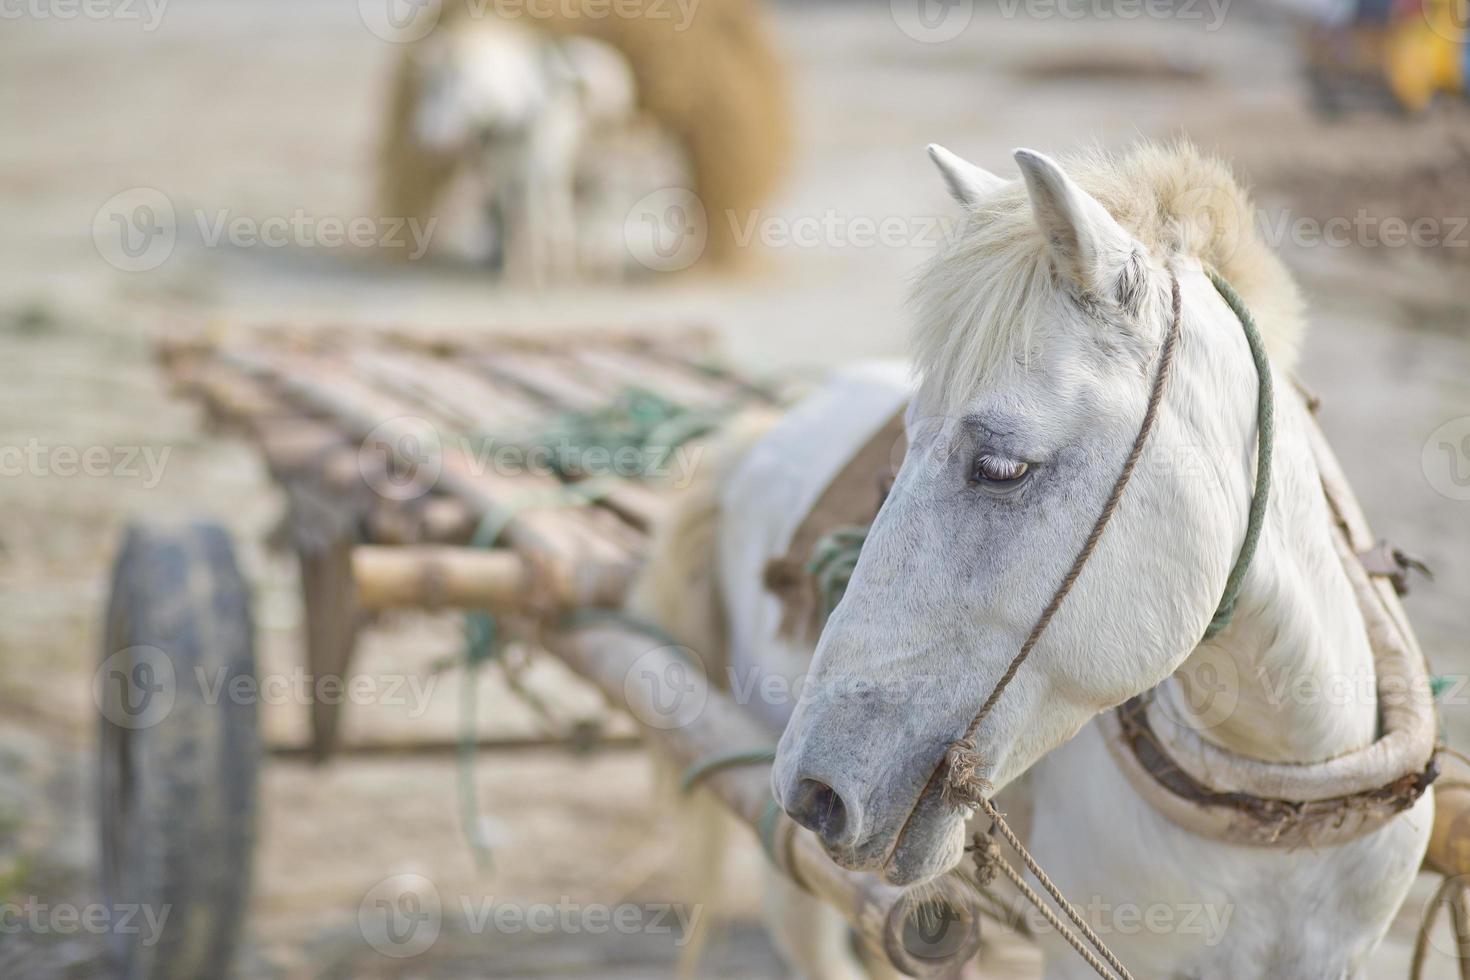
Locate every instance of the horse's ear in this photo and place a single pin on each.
(1090, 248)
(967, 183)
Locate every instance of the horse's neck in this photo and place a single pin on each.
(1291, 679)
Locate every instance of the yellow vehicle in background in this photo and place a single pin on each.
(1405, 51)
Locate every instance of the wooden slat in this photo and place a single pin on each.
(579, 558)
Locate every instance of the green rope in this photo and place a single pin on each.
(834, 557)
(636, 422)
(705, 768)
(765, 829)
(1265, 423)
(484, 642)
(578, 618)
(836, 553)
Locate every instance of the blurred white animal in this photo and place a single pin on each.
(514, 108)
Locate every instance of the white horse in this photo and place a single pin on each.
(515, 108)
(1038, 330)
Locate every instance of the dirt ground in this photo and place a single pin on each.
(264, 109)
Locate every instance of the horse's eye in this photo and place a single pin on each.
(998, 469)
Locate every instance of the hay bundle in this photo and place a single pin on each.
(706, 72)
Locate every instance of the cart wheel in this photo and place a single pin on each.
(178, 753)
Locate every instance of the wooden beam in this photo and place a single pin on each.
(439, 576)
(930, 931)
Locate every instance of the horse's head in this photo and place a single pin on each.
(1039, 334)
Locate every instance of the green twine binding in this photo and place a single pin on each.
(833, 559)
(637, 420)
(484, 642)
(1266, 426)
(765, 828)
(705, 768)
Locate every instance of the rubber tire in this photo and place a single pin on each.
(177, 786)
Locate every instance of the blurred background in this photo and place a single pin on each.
(171, 166)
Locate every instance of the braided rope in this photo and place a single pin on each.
(963, 786)
(1266, 427)
(989, 859)
(1444, 895)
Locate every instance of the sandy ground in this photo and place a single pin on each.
(261, 110)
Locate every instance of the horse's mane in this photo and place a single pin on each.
(1171, 197)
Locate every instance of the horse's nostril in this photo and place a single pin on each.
(818, 808)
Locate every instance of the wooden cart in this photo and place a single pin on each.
(386, 444)
(406, 463)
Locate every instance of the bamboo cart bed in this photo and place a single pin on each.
(383, 442)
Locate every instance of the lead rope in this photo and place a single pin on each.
(963, 786)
